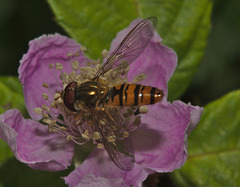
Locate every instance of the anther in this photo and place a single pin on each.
(59, 66)
(77, 54)
(85, 135)
(45, 96)
(125, 134)
(46, 108)
(38, 110)
(63, 128)
(95, 136)
(51, 66)
(45, 115)
(143, 109)
(60, 100)
(72, 75)
(48, 121)
(54, 104)
(57, 96)
(45, 85)
(100, 146)
(64, 77)
(104, 53)
(111, 138)
(102, 121)
(83, 48)
(75, 65)
(70, 54)
(69, 137)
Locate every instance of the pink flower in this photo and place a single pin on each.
(159, 143)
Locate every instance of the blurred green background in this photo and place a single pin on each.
(219, 71)
(22, 21)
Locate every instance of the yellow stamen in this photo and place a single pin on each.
(143, 109)
(75, 64)
(51, 66)
(46, 108)
(38, 110)
(95, 136)
(45, 96)
(45, 85)
(100, 146)
(59, 66)
(83, 48)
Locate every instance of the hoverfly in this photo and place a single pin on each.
(92, 94)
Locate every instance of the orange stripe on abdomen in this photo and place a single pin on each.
(134, 95)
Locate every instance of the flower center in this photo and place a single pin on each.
(81, 126)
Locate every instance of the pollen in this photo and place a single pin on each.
(51, 66)
(38, 110)
(57, 96)
(46, 108)
(45, 115)
(63, 128)
(45, 85)
(75, 64)
(45, 96)
(48, 121)
(104, 53)
(143, 109)
(70, 54)
(83, 48)
(111, 138)
(54, 104)
(100, 146)
(125, 134)
(102, 121)
(59, 66)
(69, 137)
(60, 100)
(85, 135)
(95, 136)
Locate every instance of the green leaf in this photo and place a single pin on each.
(187, 35)
(5, 151)
(183, 25)
(11, 95)
(93, 23)
(214, 146)
(14, 173)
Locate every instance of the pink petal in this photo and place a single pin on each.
(99, 164)
(92, 181)
(34, 68)
(161, 141)
(160, 144)
(32, 144)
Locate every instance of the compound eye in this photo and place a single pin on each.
(69, 95)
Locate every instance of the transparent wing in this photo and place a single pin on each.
(117, 151)
(131, 46)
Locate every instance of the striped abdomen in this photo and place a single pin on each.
(134, 94)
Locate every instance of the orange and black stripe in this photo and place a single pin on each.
(134, 95)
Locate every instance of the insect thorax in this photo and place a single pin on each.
(89, 93)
